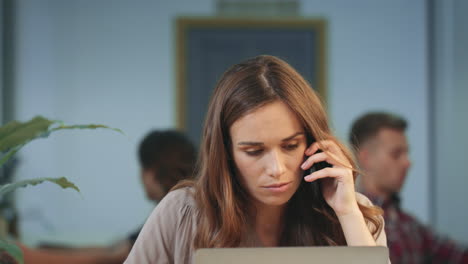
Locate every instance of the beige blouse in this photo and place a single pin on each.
(168, 233)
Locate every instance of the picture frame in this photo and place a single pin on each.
(207, 46)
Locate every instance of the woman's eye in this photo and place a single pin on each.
(254, 152)
(291, 146)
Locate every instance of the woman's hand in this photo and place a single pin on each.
(337, 181)
(338, 190)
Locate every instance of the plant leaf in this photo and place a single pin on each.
(8, 128)
(13, 251)
(62, 182)
(8, 155)
(16, 133)
(89, 126)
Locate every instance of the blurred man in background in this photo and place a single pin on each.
(381, 149)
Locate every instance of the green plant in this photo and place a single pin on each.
(15, 135)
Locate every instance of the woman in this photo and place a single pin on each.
(265, 129)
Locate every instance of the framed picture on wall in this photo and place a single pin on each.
(206, 47)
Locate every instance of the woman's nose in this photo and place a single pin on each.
(275, 166)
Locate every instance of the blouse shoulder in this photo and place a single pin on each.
(168, 233)
(179, 200)
(380, 237)
(362, 199)
(179, 210)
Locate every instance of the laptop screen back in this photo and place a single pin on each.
(292, 255)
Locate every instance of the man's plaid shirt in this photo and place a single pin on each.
(409, 241)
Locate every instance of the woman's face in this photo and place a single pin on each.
(268, 148)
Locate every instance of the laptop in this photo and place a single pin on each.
(292, 255)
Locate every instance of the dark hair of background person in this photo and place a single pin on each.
(223, 219)
(367, 126)
(170, 154)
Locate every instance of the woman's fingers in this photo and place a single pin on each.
(325, 145)
(334, 154)
(326, 173)
(310, 161)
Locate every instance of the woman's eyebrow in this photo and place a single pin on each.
(253, 143)
(250, 143)
(293, 136)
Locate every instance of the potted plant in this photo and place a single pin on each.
(13, 136)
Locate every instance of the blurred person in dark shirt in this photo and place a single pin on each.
(166, 157)
(381, 149)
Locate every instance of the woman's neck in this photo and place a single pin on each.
(269, 222)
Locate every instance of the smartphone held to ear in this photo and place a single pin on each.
(319, 165)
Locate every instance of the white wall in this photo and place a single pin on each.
(112, 62)
(108, 62)
(377, 61)
(451, 93)
(1, 61)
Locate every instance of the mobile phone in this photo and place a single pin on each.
(319, 165)
(315, 186)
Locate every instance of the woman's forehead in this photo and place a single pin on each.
(274, 121)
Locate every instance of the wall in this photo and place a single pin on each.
(451, 124)
(100, 62)
(377, 61)
(113, 63)
(1, 60)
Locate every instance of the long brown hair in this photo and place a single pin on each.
(222, 201)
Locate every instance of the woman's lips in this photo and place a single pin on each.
(278, 187)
